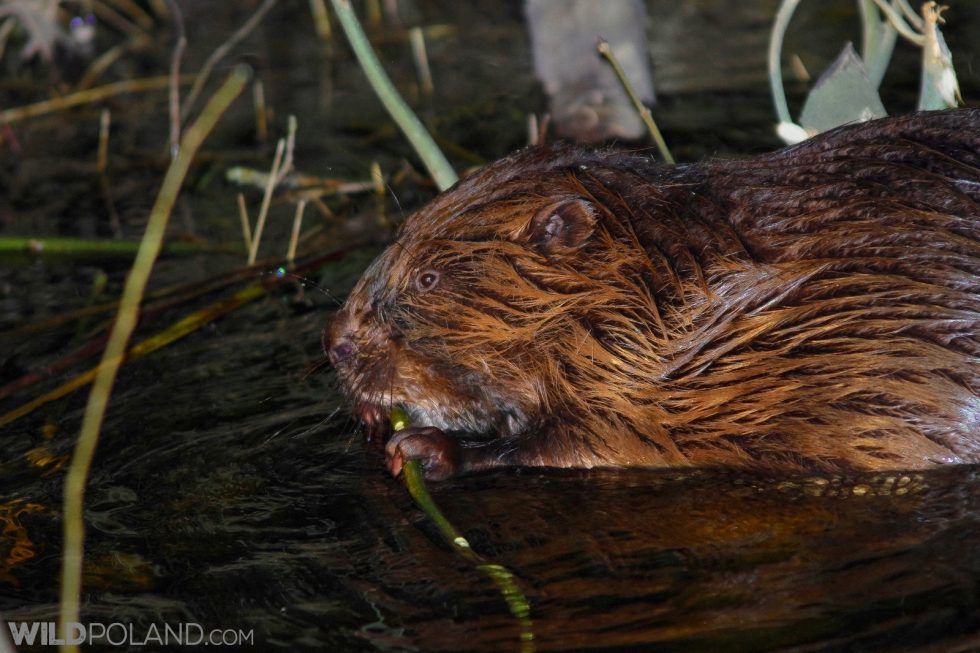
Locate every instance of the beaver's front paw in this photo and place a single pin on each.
(436, 452)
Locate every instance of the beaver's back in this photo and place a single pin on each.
(855, 316)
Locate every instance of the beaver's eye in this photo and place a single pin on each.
(427, 280)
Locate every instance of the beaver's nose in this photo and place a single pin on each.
(337, 342)
(340, 350)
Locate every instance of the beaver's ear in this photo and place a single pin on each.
(562, 226)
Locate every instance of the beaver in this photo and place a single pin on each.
(812, 309)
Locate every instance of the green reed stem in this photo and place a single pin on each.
(779, 26)
(502, 577)
(122, 329)
(431, 155)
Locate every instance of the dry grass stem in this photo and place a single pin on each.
(287, 163)
(641, 108)
(377, 179)
(321, 20)
(102, 164)
(136, 13)
(294, 236)
(105, 121)
(110, 16)
(5, 29)
(159, 8)
(372, 13)
(175, 59)
(417, 40)
(102, 63)
(261, 111)
(270, 186)
(246, 222)
(88, 96)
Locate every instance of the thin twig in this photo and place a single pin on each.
(220, 52)
(81, 461)
(642, 109)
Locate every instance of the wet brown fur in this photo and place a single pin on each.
(815, 308)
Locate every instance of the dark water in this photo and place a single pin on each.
(231, 490)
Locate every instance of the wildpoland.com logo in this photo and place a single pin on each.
(47, 633)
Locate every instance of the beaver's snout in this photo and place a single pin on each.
(352, 331)
(339, 349)
(337, 343)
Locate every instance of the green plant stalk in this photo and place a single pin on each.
(502, 577)
(877, 41)
(642, 109)
(415, 482)
(431, 156)
(77, 476)
(894, 16)
(783, 16)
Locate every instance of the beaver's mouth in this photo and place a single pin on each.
(469, 421)
(375, 421)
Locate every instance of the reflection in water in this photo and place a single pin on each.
(719, 561)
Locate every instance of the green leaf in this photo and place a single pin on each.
(842, 95)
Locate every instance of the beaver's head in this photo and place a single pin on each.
(519, 294)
